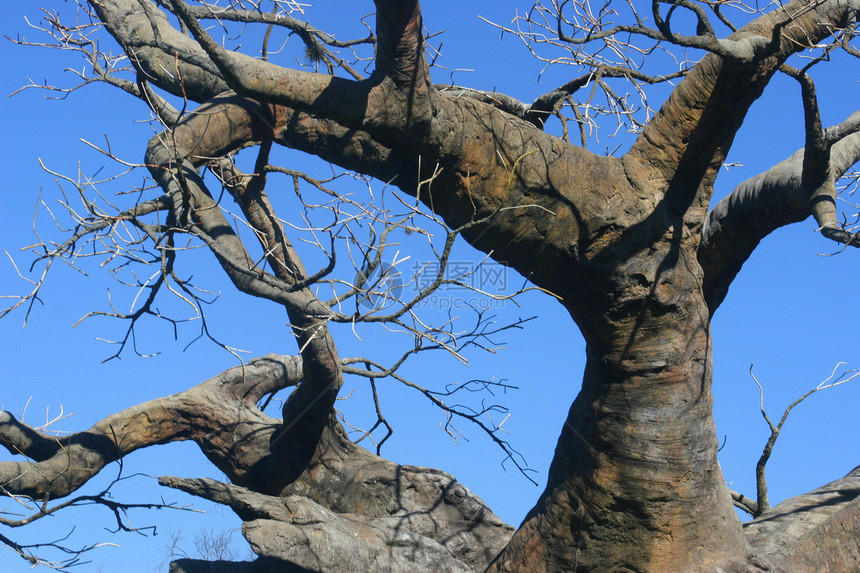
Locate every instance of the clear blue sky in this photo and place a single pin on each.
(791, 311)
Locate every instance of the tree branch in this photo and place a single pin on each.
(298, 531)
(744, 503)
(396, 502)
(817, 179)
(817, 530)
(346, 482)
(762, 503)
(517, 184)
(78, 457)
(689, 138)
(316, 41)
(385, 109)
(762, 204)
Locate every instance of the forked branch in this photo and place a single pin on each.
(762, 503)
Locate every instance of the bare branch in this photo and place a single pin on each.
(762, 504)
(744, 503)
(316, 41)
(480, 416)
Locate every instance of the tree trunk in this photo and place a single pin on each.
(635, 484)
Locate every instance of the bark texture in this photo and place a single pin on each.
(818, 531)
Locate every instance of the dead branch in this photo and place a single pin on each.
(762, 503)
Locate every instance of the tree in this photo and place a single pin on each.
(630, 245)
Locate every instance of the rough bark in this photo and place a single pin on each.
(817, 532)
(638, 450)
(300, 532)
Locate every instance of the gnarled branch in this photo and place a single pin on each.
(762, 204)
(62, 465)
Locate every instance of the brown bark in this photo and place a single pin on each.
(816, 532)
(231, 433)
(635, 484)
(636, 459)
(350, 498)
(365, 509)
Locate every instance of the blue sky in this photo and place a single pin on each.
(792, 311)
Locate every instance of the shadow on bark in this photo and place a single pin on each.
(348, 501)
(817, 531)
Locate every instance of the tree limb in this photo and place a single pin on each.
(688, 140)
(762, 204)
(762, 503)
(301, 532)
(316, 41)
(815, 531)
(365, 105)
(520, 185)
(365, 490)
(396, 502)
(744, 503)
(59, 470)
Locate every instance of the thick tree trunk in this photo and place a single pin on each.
(635, 484)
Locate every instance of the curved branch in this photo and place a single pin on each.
(689, 138)
(349, 483)
(818, 180)
(170, 159)
(544, 105)
(397, 502)
(530, 182)
(762, 204)
(297, 531)
(593, 28)
(223, 433)
(396, 105)
(316, 41)
(161, 54)
(541, 108)
(394, 101)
